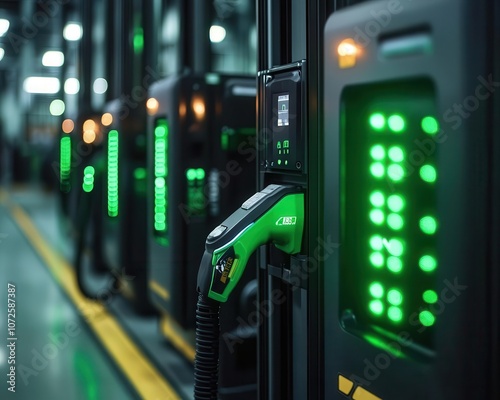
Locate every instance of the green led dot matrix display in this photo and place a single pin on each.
(160, 180)
(113, 173)
(389, 261)
(65, 163)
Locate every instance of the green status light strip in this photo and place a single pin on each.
(160, 176)
(195, 185)
(113, 173)
(388, 217)
(88, 179)
(65, 163)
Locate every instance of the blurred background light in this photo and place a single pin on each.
(41, 84)
(53, 59)
(71, 86)
(4, 26)
(100, 86)
(57, 107)
(72, 31)
(217, 33)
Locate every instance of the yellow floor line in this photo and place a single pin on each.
(141, 373)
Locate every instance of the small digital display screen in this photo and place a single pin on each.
(283, 109)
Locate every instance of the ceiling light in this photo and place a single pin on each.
(53, 59)
(57, 107)
(217, 34)
(41, 84)
(72, 86)
(4, 26)
(72, 31)
(100, 85)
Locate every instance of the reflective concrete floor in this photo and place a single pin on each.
(56, 355)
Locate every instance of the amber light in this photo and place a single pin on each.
(198, 107)
(106, 119)
(68, 125)
(347, 51)
(89, 125)
(89, 136)
(152, 106)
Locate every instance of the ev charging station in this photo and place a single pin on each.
(201, 155)
(123, 210)
(411, 180)
(399, 106)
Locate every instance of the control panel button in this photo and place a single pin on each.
(217, 232)
(253, 200)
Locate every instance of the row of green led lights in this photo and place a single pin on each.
(88, 179)
(196, 198)
(193, 174)
(113, 173)
(397, 124)
(394, 297)
(395, 156)
(65, 162)
(380, 155)
(428, 225)
(396, 203)
(160, 172)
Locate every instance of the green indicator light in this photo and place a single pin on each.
(377, 217)
(89, 170)
(160, 182)
(396, 247)
(395, 203)
(396, 154)
(428, 173)
(426, 318)
(394, 264)
(377, 169)
(396, 123)
(430, 296)
(140, 173)
(376, 307)
(279, 162)
(159, 218)
(395, 297)
(200, 174)
(87, 188)
(138, 40)
(377, 199)
(286, 144)
(224, 140)
(160, 226)
(377, 121)
(430, 125)
(376, 242)
(427, 263)
(376, 290)
(396, 172)
(377, 152)
(395, 221)
(377, 259)
(428, 225)
(191, 174)
(160, 131)
(395, 314)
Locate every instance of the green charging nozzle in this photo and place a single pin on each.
(274, 215)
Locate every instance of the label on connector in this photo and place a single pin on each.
(223, 269)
